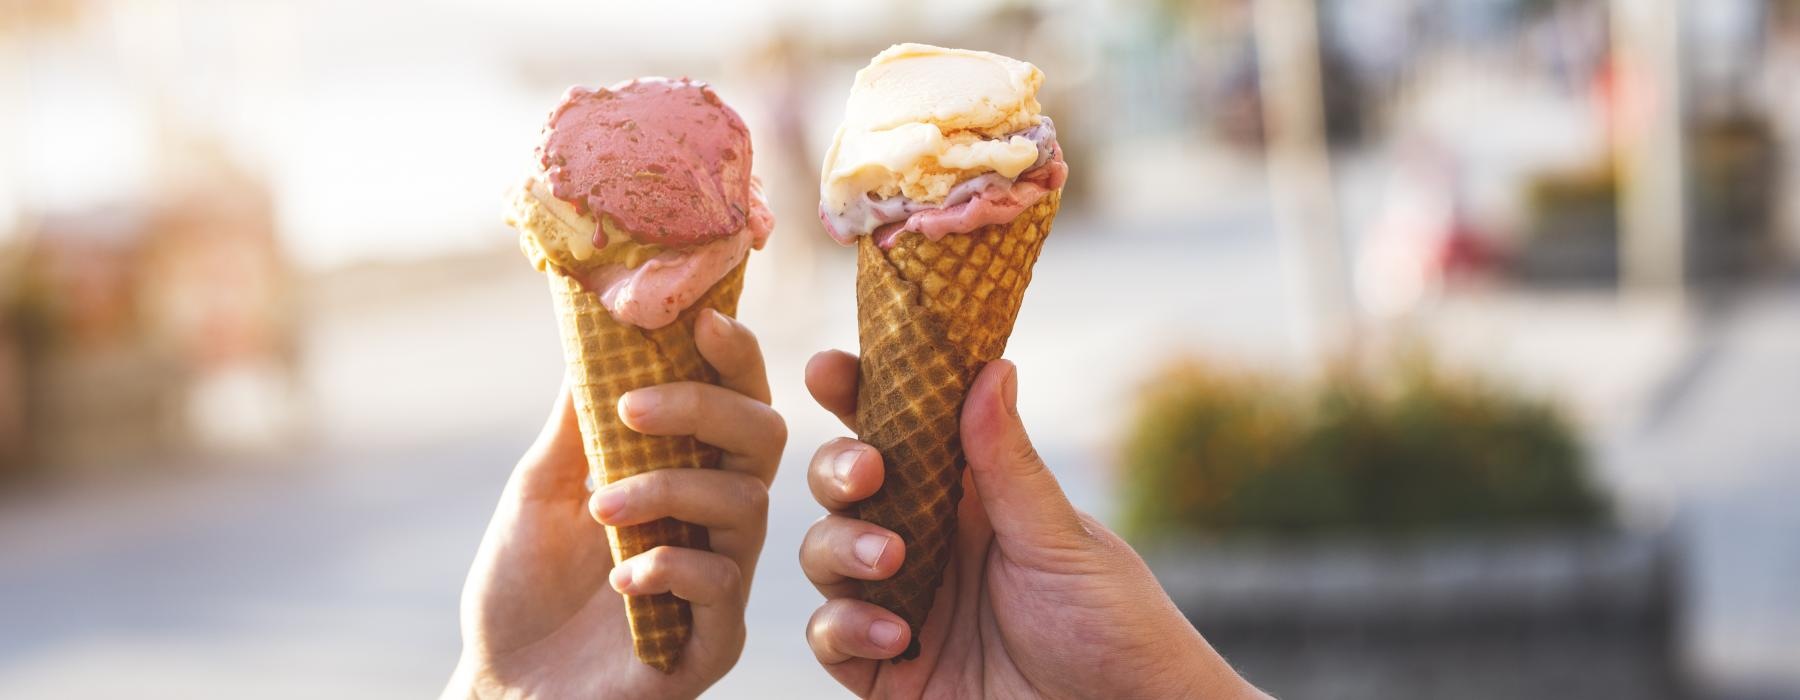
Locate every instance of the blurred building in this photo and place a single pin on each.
(150, 327)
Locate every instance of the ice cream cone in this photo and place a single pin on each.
(946, 176)
(930, 314)
(642, 211)
(605, 360)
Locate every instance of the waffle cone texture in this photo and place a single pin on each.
(930, 315)
(605, 360)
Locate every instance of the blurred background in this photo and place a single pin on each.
(1426, 349)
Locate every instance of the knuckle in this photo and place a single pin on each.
(659, 557)
(810, 541)
(729, 576)
(651, 567)
(755, 497)
(816, 551)
(824, 627)
(818, 625)
(593, 505)
(778, 431)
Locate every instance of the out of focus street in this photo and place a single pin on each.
(343, 563)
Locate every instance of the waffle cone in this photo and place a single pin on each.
(605, 360)
(930, 314)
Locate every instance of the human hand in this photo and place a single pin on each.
(1038, 599)
(542, 614)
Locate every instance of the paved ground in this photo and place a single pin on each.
(1722, 445)
(334, 573)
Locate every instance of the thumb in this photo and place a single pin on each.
(1022, 499)
(555, 465)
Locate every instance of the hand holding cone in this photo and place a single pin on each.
(930, 314)
(641, 214)
(605, 360)
(946, 178)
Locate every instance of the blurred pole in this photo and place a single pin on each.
(1647, 54)
(1299, 164)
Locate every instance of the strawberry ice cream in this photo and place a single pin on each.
(644, 195)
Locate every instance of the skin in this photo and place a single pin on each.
(541, 610)
(1039, 599)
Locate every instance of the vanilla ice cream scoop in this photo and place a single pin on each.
(937, 138)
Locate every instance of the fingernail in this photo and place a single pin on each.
(608, 503)
(843, 464)
(638, 404)
(621, 577)
(868, 549)
(1009, 390)
(883, 633)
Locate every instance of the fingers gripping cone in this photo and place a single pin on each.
(643, 189)
(605, 360)
(930, 314)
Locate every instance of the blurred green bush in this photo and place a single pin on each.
(1417, 450)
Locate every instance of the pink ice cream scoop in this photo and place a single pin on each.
(666, 160)
(666, 163)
